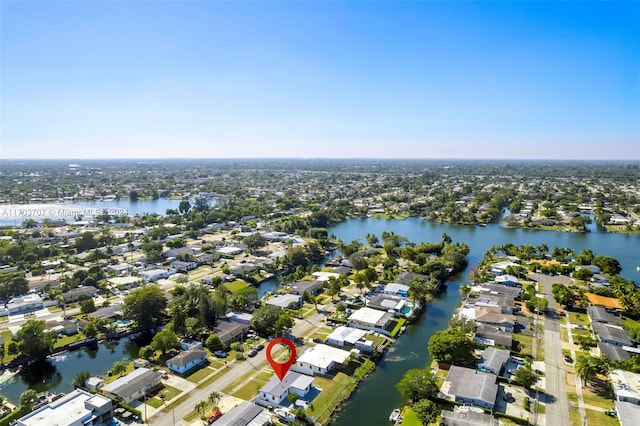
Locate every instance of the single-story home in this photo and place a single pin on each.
(493, 360)
(275, 391)
(187, 360)
(230, 331)
(351, 338)
(613, 352)
(470, 387)
(467, 418)
(186, 344)
(506, 279)
(78, 407)
(155, 274)
(23, 304)
(311, 287)
(229, 251)
(183, 266)
(245, 414)
(134, 385)
(320, 359)
(492, 317)
(626, 386)
(396, 289)
(501, 290)
(66, 327)
(79, 292)
(600, 314)
(612, 334)
(371, 319)
(285, 301)
(493, 336)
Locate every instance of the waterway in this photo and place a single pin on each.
(376, 396)
(56, 373)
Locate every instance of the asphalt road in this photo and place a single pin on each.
(557, 409)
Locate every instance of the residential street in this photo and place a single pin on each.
(557, 410)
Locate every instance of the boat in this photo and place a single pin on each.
(395, 415)
(284, 415)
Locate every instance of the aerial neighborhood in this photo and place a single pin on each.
(177, 309)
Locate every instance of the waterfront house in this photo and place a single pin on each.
(405, 277)
(492, 317)
(506, 279)
(499, 267)
(350, 337)
(285, 301)
(398, 305)
(470, 387)
(187, 360)
(504, 303)
(66, 327)
(493, 360)
(276, 391)
(467, 418)
(493, 336)
(501, 290)
(371, 319)
(626, 389)
(230, 331)
(311, 287)
(320, 359)
(77, 408)
(134, 385)
(396, 289)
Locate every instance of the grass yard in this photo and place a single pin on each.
(249, 390)
(564, 335)
(410, 418)
(578, 318)
(236, 285)
(199, 375)
(598, 418)
(333, 391)
(212, 378)
(525, 343)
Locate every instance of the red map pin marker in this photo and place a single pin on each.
(281, 369)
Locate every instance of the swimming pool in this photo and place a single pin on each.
(121, 323)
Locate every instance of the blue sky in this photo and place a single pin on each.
(158, 79)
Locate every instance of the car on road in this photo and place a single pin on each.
(220, 354)
(568, 359)
(259, 347)
(252, 353)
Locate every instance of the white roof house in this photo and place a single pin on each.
(285, 301)
(626, 386)
(26, 303)
(345, 336)
(320, 359)
(324, 276)
(370, 319)
(229, 250)
(396, 289)
(276, 390)
(77, 408)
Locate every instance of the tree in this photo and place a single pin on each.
(213, 343)
(426, 411)
(90, 330)
(293, 397)
(255, 241)
(152, 251)
(34, 341)
(214, 397)
(585, 368)
(464, 290)
(608, 265)
(165, 340)
(145, 306)
(87, 306)
(81, 379)
(147, 352)
(28, 398)
(283, 323)
(119, 367)
(264, 319)
(418, 384)
(452, 346)
(184, 206)
(525, 376)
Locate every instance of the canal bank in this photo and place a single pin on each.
(376, 396)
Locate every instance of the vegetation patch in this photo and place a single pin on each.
(236, 285)
(249, 390)
(333, 391)
(200, 374)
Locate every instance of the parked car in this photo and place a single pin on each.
(568, 359)
(507, 396)
(215, 417)
(220, 354)
(259, 347)
(252, 353)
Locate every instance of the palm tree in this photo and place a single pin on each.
(214, 397)
(585, 368)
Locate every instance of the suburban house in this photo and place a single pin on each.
(239, 317)
(276, 391)
(504, 303)
(187, 360)
(230, 331)
(183, 266)
(467, 418)
(82, 292)
(153, 275)
(371, 319)
(501, 290)
(385, 302)
(245, 414)
(493, 360)
(77, 408)
(492, 317)
(626, 389)
(396, 289)
(43, 285)
(23, 304)
(613, 352)
(119, 269)
(186, 344)
(499, 267)
(66, 327)
(493, 336)
(470, 387)
(285, 301)
(311, 287)
(351, 338)
(506, 279)
(182, 252)
(229, 251)
(405, 277)
(601, 315)
(134, 385)
(612, 334)
(320, 359)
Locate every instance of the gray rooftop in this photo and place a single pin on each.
(500, 337)
(133, 382)
(472, 384)
(600, 314)
(609, 332)
(613, 352)
(495, 358)
(240, 415)
(469, 418)
(184, 358)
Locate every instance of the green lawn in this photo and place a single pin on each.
(564, 335)
(410, 418)
(333, 391)
(525, 343)
(236, 285)
(197, 376)
(578, 318)
(249, 390)
(598, 418)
